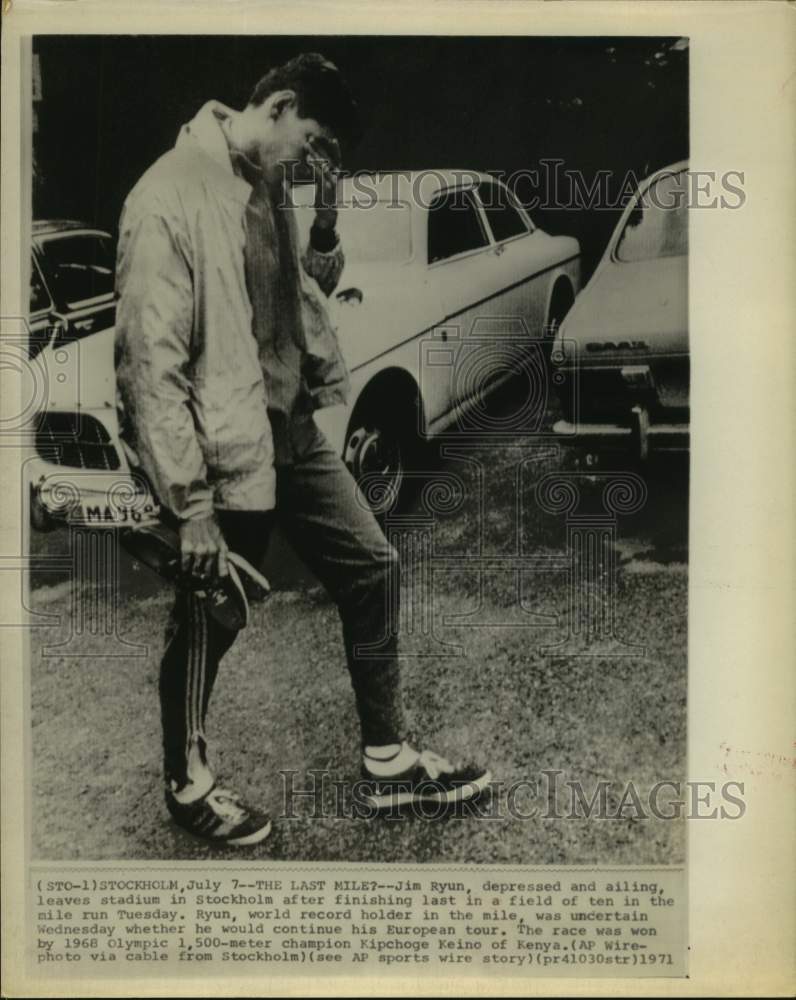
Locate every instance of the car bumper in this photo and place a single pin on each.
(103, 499)
(638, 438)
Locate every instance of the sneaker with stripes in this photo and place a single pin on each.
(220, 817)
(427, 778)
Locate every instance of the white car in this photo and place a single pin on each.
(447, 285)
(623, 348)
(76, 466)
(448, 290)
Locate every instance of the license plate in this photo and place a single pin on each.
(104, 514)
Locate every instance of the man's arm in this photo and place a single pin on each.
(325, 266)
(323, 259)
(154, 321)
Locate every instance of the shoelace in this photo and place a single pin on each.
(226, 804)
(434, 764)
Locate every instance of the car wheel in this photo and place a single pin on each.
(40, 518)
(382, 448)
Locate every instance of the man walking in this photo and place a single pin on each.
(224, 350)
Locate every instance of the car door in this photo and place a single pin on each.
(523, 256)
(464, 273)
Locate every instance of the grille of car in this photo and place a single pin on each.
(75, 440)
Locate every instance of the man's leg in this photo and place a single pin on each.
(195, 645)
(343, 544)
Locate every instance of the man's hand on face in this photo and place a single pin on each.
(324, 155)
(203, 551)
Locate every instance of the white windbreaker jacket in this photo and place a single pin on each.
(188, 369)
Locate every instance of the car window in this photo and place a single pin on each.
(454, 226)
(39, 296)
(658, 224)
(501, 214)
(81, 267)
(372, 231)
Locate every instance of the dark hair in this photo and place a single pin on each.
(321, 93)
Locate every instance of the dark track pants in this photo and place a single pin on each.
(344, 546)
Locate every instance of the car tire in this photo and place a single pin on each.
(383, 447)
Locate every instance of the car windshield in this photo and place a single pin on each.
(81, 266)
(39, 298)
(658, 224)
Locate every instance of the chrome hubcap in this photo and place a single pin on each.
(371, 452)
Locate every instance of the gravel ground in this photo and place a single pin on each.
(283, 702)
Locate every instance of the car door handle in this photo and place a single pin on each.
(84, 325)
(499, 249)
